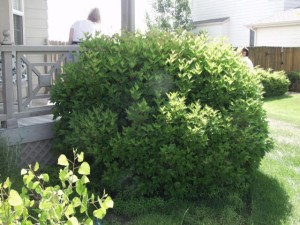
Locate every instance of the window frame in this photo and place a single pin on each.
(19, 13)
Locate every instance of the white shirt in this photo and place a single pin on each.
(248, 61)
(81, 27)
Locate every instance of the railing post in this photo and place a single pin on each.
(127, 16)
(7, 79)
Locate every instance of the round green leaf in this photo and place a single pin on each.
(14, 198)
(73, 221)
(23, 171)
(84, 169)
(62, 160)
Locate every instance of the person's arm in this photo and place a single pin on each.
(71, 36)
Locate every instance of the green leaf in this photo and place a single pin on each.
(99, 213)
(85, 179)
(35, 184)
(45, 177)
(6, 183)
(80, 156)
(62, 160)
(69, 211)
(89, 221)
(45, 205)
(36, 167)
(73, 221)
(84, 204)
(31, 203)
(73, 179)
(23, 172)
(108, 203)
(84, 169)
(80, 187)
(76, 202)
(63, 175)
(14, 199)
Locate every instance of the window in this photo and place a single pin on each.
(252, 37)
(18, 29)
(18, 14)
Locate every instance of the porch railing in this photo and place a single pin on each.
(28, 97)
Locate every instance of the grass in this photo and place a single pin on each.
(276, 194)
(177, 213)
(9, 157)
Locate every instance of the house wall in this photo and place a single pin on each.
(6, 20)
(289, 36)
(289, 4)
(216, 29)
(36, 25)
(241, 13)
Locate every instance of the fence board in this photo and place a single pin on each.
(277, 58)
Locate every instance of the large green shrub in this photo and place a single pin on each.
(162, 114)
(275, 83)
(294, 78)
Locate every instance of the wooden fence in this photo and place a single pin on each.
(277, 58)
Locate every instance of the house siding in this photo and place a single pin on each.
(214, 29)
(6, 19)
(290, 4)
(241, 13)
(289, 36)
(36, 25)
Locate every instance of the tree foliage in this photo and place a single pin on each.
(170, 15)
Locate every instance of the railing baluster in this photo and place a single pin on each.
(19, 81)
(7, 79)
(52, 59)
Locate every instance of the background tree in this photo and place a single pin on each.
(170, 15)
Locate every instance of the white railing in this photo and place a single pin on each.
(28, 97)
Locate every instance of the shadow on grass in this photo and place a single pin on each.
(269, 99)
(270, 203)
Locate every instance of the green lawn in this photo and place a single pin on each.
(276, 198)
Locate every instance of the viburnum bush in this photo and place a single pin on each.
(294, 78)
(275, 83)
(162, 114)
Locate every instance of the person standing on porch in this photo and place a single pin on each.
(88, 26)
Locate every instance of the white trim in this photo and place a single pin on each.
(275, 24)
(20, 3)
(17, 12)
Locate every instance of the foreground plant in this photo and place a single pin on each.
(69, 203)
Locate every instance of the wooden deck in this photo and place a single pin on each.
(30, 129)
(31, 121)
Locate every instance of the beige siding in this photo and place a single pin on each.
(289, 36)
(36, 25)
(241, 13)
